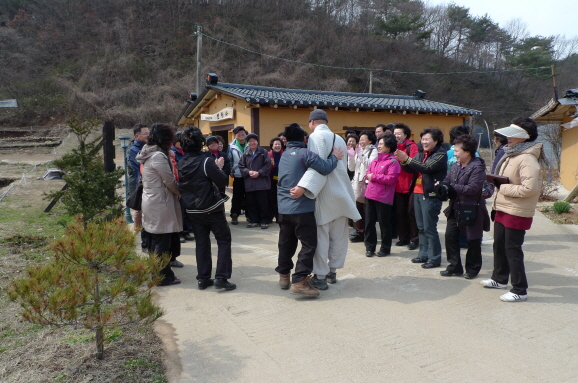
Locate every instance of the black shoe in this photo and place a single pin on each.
(234, 219)
(331, 277)
(412, 246)
(176, 263)
(224, 284)
(204, 283)
(319, 284)
(188, 237)
(383, 253)
(418, 260)
(429, 265)
(445, 273)
(369, 253)
(401, 243)
(355, 238)
(470, 276)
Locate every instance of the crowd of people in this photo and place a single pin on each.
(380, 177)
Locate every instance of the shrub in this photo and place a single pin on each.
(561, 207)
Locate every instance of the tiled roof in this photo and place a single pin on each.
(288, 97)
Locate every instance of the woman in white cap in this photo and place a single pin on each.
(514, 206)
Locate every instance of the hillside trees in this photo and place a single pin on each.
(134, 61)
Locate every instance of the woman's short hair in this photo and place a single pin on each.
(503, 140)
(436, 135)
(457, 131)
(352, 135)
(406, 129)
(370, 136)
(389, 141)
(273, 141)
(468, 143)
(221, 140)
(529, 126)
(162, 135)
(192, 140)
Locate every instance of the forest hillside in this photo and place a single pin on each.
(135, 61)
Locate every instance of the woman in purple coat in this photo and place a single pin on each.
(463, 185)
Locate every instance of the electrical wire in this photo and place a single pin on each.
(371, 69)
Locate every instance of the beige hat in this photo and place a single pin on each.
(513, 131)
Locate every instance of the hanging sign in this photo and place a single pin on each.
(224, 114)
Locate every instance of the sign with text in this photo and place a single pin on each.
(224, 114)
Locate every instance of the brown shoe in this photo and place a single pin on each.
(285, 281)
(304, 288)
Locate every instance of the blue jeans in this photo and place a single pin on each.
(427, 211)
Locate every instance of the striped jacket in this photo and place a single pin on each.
(434, 169)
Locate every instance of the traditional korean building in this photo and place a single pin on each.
(266, 111)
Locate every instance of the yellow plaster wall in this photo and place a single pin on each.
(273, 121)
(569, 158)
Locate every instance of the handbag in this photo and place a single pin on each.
(467, 214)
(134, 201)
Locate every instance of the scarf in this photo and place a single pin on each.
(513, 151)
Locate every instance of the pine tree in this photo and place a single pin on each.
(95, 280)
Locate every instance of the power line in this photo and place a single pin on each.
(370, 69)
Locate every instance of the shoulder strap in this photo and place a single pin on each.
(332, 146)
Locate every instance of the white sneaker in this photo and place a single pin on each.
(492, 284)
(511, 297)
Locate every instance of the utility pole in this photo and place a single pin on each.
(199, 57)
(370, 82)
(554, 80)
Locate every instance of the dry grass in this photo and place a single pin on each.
(33, 353)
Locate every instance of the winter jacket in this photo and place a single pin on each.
(404, 180)
(135, 147)
(434, 169)
(199, 175)
(468, 182)
(293, 164)
(359, 164)
(235, 154)
(334, 194)
(227, 165)
(520, 196)
(498, 154)
(384, 174)
(259, 162)
(161, 211)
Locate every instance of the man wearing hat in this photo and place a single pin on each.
(329, 191)
(236, 150)
(212, 143)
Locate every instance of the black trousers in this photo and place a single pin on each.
(272, 196)
(359, 226)
(377, 212)
(203, 225)
(238, 201)
(473, 254)
(293, 228)
(257, 207)
(168, 243)
(405, 217)
(509, 258)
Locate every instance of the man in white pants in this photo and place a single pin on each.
(334, 205)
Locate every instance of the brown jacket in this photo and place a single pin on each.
(520, 196)
(161, 211)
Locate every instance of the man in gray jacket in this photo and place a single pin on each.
(296, 215)
(236, 150)
(330, 191)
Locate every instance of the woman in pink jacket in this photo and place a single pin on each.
(382, 177)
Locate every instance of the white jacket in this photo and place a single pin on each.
(333, 192)
(360, 163)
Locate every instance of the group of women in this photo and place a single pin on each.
(517, 188)
(376, 164)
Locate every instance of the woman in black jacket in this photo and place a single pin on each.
(255, 167)
(201, 177)
(428, 167)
